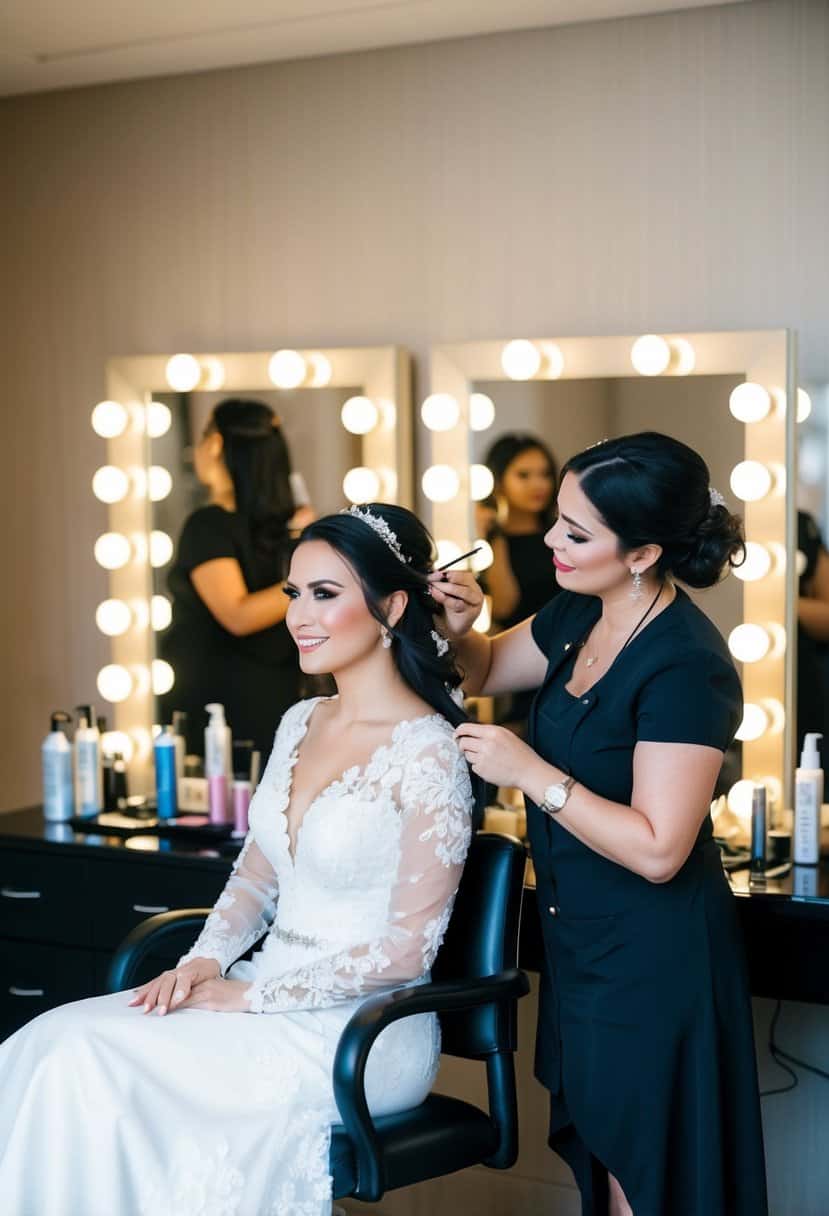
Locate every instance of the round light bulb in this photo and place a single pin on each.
(750, 402)
(749, 643)
(756, 565)
(114, 683)
(650, 355)
(448, 551)
(804, 405)
(481, 411)
(483, 620)
(553, 360)
(361, 485)
(163, 677)
(320, 370)
(112, 550)
(214, 374)
(750, 480)
(109, 419)
(161, 612)
(776, 713)
(481, 482)
(739, 797)
(440, 482)
(801, 561)
(754, 724)
(686, 358)
(520, 359)
(484, 558)
(183, 373)
(117, 743)
(161, 549)
(440, 412)
(113, 617)
(359, 415)
(158, 419)
(287, 369)
(110, 484)
(159, 482)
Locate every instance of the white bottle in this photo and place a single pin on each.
(808, 796)
(217, 764)
(56, 753)
(87, 768)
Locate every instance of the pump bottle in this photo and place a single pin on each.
(56, 752)
(808, 798)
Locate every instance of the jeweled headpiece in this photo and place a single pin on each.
(378, 525)
(716, 497)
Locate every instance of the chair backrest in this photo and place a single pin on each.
(482, 939)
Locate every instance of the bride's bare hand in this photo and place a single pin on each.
(461, 598)
(168, 990)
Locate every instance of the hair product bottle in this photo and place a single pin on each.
(808, 798)
(56, 754)
(217, 763)
(88, 777)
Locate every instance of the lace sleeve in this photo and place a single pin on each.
(435, 805)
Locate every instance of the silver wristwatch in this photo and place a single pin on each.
(555, 796)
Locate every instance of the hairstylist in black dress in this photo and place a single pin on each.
(645, 1036)
(228, 641)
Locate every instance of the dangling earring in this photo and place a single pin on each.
(636, 591)
(386, 636)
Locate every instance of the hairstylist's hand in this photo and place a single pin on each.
(171, 988)
(495, 753)
(460, 597)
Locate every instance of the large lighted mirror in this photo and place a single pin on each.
(723, 394)
(314, 429)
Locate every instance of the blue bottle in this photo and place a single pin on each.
(164, 751)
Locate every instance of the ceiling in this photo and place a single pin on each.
(52, 44)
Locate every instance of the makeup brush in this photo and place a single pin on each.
(455, 560)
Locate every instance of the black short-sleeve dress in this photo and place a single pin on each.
(255, 677)
(645, 1035)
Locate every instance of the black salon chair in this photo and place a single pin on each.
(475, 989)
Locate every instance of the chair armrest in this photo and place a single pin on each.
(151, 935)
(373, 1016)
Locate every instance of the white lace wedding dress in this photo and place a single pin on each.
(107, 1111)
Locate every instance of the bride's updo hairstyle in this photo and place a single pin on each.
(651, 489)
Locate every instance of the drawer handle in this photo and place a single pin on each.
(10, 893)
(148, 908)
(15, 991)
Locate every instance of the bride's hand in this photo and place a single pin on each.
(461, 598)
(171, 988)
(222, 996)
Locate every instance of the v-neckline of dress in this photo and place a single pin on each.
(347, 777)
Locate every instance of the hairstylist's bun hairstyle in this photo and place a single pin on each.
(259, 464)
(428, 668)
(652, 489)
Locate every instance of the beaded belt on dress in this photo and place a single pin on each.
(297, 939)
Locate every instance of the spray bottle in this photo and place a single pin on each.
(217, 763)
(808, 798)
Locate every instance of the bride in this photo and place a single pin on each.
(177, 1099)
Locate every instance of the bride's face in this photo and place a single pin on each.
(327, 617)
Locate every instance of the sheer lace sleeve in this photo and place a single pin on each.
(434, 800)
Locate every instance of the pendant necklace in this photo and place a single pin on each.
(592, 659)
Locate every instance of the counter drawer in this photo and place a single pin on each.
(35, 978)
(44, 898)
(126, 894)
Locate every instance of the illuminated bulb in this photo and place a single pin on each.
(158, 419)
(754, 724)
(804, 405)
(361, 485)
(183, 373)
(117, 743)
(440, 412)
(287, 369)
(481, 482)
(553, 360)
(757, 564)
(159, 482)
(359, 415)
(650, 355)
(750, 480)
(776, 713)
(778, 556)
(161, 612)
(110, 484)
(778, 478)
(163, 677)
(448, 551)
(749, 643)
(440, 482)
(114, 683)
(750, 402)
(484, 558)
(320, 370)
(800, 563)
(161, 549)
(113, 617)
(520, 359)
(388, 413)
(483, 620)
(214, 374)
(109, 419)
(112, 550)
(686, 359)
(481, 411)
(739, 797)
(778, 639)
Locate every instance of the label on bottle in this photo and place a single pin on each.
(808, 794)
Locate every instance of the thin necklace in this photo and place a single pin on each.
(594, 658)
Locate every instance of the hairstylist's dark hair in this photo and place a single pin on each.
(507, 448)
(259, 464)
(431, 675)
(652, 489)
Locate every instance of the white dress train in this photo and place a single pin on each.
(106, 1111)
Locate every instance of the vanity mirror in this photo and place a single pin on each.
(724, 394)
(345, 414)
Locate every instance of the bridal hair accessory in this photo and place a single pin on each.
(716, 497)
(378, 525)
(441, 644)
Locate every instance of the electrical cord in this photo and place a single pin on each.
(783, 1059)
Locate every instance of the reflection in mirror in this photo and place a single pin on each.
(813, 565)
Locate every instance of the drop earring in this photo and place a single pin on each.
(636, 590)
(386, 636)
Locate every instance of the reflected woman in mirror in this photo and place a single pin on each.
(359, 834)
(228, 641)
(645, 1036)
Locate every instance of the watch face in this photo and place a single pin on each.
(555, 795)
